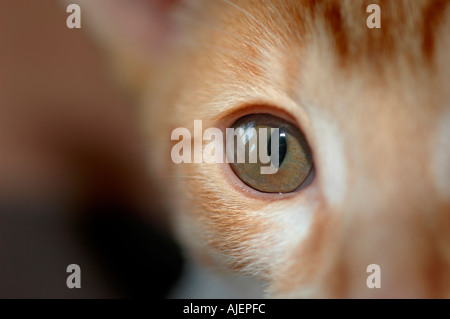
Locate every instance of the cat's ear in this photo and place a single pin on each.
(136, 33)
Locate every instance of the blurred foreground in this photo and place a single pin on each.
(73, 181)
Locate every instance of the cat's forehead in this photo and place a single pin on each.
(410, 29)
(247, 46)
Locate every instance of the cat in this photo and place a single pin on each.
(372, 105)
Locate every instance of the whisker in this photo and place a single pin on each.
(191, 177)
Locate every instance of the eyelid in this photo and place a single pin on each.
(229, 118)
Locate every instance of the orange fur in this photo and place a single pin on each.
(379, 92)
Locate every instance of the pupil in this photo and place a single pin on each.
(282, 147)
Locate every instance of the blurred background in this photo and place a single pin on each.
(74, 188)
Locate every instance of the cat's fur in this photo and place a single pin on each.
(374, 105)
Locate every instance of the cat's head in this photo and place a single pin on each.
(372, 104)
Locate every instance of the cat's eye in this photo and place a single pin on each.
(294, 155)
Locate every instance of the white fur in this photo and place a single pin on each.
(199, 282)
(331, 154)
(441, 156)
(334, 164)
